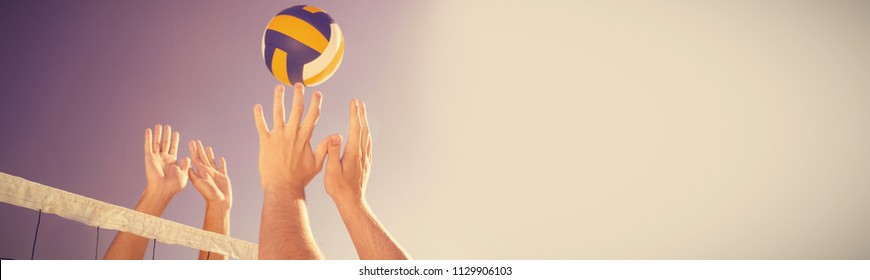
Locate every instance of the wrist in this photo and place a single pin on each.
(284, 191)
(345, 195)
(345, 201)
(153, 202)
(217, 220)
(157, 191)
(217, 209)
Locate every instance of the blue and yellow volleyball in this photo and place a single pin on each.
(302, 44)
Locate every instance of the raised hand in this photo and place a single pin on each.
(287, 165)
(166, 177)
(211, 182)
(287, 162)
(347, 175)
(346, 179)
(214, 185)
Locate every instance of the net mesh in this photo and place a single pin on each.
(21, 192)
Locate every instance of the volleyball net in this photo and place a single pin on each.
(23, 193)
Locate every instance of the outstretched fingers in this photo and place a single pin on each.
(260, 121)
(149, 142)
(278, 107)
(352, 149)
(155, 144)
(366, 136)
(164, 144)
(311, 118)
(194, 153)
(203, 159)
(211, 159)
(297, 107)
(173, 147)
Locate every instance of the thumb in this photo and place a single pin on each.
(223, 165)
(320, 152)
(185, 165)
(191, 172)
(334, 151)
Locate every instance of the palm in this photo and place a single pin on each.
(164, 168)
(275, 162)
(213, 184)
(161, 161)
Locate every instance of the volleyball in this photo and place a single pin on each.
(302, 44)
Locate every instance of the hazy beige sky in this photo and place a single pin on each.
(633, 129)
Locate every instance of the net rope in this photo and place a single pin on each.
(23, 193)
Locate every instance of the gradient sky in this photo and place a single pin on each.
(502, 129)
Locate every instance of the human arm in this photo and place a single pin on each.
(287, 164)
(346, 179)
(165, 178)
(215, 187)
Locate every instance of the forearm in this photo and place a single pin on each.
(371, 240)
(217, 220)
(128, 246)
(284, 229)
